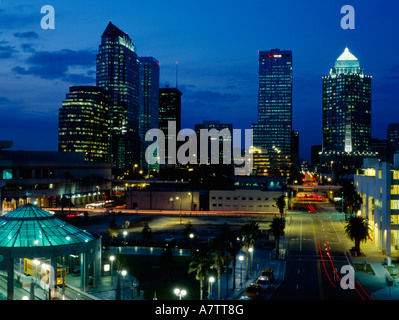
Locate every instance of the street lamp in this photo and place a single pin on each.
(251, 251)
(211, 281)
(177, 198)
(124, 236)
(241, 258)
(180, 293)
(124, 273)
(112, 258)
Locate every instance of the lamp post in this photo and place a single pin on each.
(180, 293)
(112, 258)
(124, 237)
(124, 273)
(241, 258)
(178, 198)
(251, 251)
(211, 280)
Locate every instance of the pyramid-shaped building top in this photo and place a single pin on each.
(30, 226)
(346, 63)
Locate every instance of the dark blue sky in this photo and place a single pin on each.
(216, 43)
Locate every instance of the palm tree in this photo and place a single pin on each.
(113, 229)
(250, 233)
(167, 262)
(218, 264)
(277, 228)
(234, 247)
(222, 244)
(280, 202)
(352, 199)
(200, 264)
(357, 230)
(146, 233)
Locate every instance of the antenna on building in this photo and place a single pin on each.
(177, 74)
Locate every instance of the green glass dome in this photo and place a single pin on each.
(30, 226)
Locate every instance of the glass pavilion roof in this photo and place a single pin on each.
(30, 226)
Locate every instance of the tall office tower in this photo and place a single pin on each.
(273, 131)
(346, 107)
(169, 110)
(216, 134)
(393, 139)
(149, 95)
(149, 105)
(83, 125)
(118, 73)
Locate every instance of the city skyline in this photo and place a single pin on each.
(217, 59)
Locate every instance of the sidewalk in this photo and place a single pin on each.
(107, 290)
(376, 284)
(263, 261)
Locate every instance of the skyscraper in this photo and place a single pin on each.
(273, 131)
(169, 110)
(393, 139)
(83, 125)
(118, 73)
(215, 135)
(149, 103)
(346, 107)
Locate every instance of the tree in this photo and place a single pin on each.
(250, 233)
(357, 230)
(280, 203)
(277, 228)
(146, 233)
(167, 262)
(218, 264)
(222, 243)
(234, 247)
(188, 229)
(352, 199)
(113, 229)
(200, 265)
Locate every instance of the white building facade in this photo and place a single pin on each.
(244, 200)
(378, 185)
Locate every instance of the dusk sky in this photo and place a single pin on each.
(216, 44)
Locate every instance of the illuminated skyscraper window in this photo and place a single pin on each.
(83, 123)
(118, 73)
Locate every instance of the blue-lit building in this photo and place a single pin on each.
(83, 123)
(273, 132)
(149, 104)
(346, 116)
(393, 140)
(34, 234)
(118, 73)
(346, 107)
(169, 110)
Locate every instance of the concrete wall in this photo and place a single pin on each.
(244, 200)
(162, 200)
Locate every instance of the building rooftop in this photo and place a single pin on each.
(30, 226)
(347, 56)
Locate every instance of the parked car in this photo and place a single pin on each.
(253, 290)
(263, 282)
(268, 274)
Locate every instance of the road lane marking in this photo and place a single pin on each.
(318, 264)
(300, 237)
